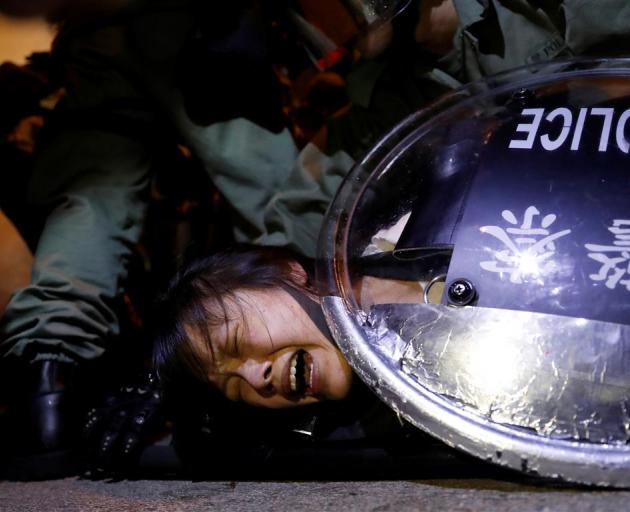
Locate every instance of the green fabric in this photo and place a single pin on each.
(122, 98)
(82, 256)
(384, 95)
(497, 35)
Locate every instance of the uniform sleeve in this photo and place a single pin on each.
(597, 26)
(294, 215)
(279, 194)
(91, 178)
(496, 35)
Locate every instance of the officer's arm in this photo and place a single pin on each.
(597, 27)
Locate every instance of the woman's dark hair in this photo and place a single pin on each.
(196, 300)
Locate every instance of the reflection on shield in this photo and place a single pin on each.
(476, 270)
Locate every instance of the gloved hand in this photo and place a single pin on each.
(116, 432)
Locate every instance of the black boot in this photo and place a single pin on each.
(42, 426)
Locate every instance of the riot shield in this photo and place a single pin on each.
(475, 268)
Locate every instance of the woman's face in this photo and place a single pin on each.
(270, 354)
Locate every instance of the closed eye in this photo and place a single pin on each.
(236, 341)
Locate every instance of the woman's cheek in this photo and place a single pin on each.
(339, 376)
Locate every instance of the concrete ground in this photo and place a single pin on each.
(426, 495)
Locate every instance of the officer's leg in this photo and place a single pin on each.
(94, 184)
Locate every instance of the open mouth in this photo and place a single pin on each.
(301, 374)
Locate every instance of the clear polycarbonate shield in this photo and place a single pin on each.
(475, 268)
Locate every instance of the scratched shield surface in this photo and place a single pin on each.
(475, 270)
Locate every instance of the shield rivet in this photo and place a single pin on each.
(461, 292)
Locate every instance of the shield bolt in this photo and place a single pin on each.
(520, 98)
(523, 94)
(461, 292)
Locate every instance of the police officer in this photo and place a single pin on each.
(135, 70)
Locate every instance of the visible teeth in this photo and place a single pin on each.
(301, 380)
(310, 377)
(292, 373)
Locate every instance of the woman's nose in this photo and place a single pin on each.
(257, 374)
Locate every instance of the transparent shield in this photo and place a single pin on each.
(476, 270)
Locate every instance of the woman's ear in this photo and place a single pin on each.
(298, 273)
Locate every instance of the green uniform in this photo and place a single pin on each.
(122, 95)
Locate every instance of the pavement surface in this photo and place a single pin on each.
(426, 495)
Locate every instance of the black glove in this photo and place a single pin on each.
(128, 421)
